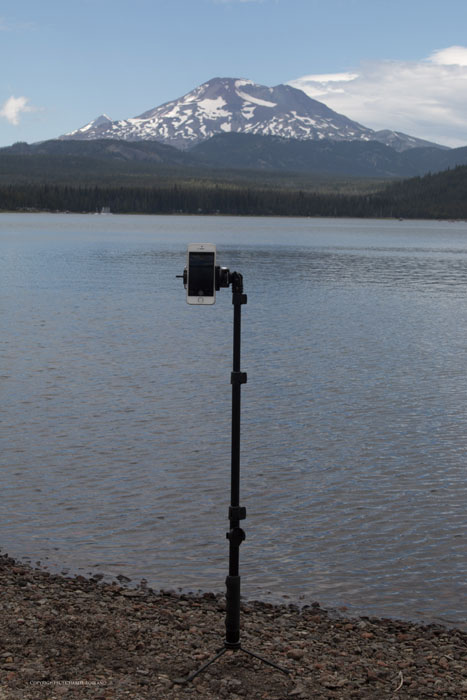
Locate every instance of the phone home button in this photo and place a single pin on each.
(200, 300)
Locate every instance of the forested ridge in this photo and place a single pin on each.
(443, 195)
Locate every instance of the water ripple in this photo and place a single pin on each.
(115, 411)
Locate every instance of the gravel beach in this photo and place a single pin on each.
(82, 638)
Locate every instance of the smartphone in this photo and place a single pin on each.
(201, 273)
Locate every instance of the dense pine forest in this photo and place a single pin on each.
(443, 195)
(181, 199)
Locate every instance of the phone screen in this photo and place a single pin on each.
(201, 274)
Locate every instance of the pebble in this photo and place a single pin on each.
(296, 654)
(120, 643)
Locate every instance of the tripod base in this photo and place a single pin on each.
(221, 652)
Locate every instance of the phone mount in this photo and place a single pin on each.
(237, 513)
(223, 278)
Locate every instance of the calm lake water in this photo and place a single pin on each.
(115, 407)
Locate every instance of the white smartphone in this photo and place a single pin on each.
(201, 273)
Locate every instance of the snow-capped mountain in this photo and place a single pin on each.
(226, 105)
(90, 130)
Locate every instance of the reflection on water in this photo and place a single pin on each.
(115, 411)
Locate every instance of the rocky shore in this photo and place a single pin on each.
(82, 638)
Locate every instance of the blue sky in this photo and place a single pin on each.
(400, 64)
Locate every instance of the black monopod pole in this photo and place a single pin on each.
(236, 513)
(236, 535)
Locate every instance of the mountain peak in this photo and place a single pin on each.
(237, 105)
(224, 105)
(88, 130)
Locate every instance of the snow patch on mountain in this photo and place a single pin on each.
(255, 100)
(212, 108)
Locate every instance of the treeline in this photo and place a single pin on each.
(434, 196)
(170, 199)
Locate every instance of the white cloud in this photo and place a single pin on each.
(14, 107)
(334, 77)
(452, 56)
(426, 98)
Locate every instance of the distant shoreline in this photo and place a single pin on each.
(239, 216)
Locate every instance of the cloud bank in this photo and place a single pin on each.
(426, 98)
(13, 108)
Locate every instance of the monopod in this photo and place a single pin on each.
(201, 290)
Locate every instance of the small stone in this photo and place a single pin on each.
(371, 675)
(405, 637)
(330, 683)
(315, 618)
(296, 654)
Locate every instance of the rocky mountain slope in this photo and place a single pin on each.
(230, 105)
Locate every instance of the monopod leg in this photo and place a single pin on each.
(188, 679)
(265, 661)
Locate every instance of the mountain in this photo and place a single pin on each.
(230, 105)
(151, 151)
(91, 130)
(234, 155)
(336, 158)
(272, 153)
(402, 142)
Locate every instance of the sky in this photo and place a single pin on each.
(388, 64)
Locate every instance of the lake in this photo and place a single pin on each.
(116, 398)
